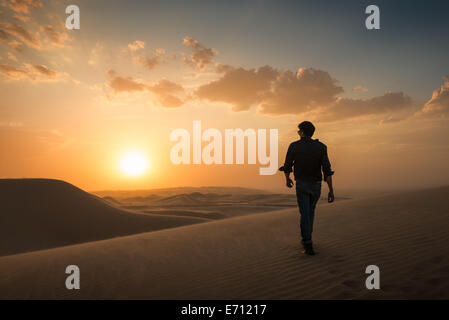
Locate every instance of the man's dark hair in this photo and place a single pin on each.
(307, 127)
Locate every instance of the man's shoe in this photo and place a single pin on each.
(308, 249)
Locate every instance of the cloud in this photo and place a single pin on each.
(167, 93)
(308, 91)
(55, 34)
(119, 84)
(135, 51)
(360, 88)
(223, 68)
(136, 45)
(21, 18)
(12, 29)
(276, 92)
(151, 62)
(12, 57)
(298, 93)
(438, 105)
(22, 6)
(33, 73)
(46, 36)
(389, 120)
(201, 56)
(15, 45)
(43, 70)
(4, 35)
(345, 108)
(13, 73)
(239, 87)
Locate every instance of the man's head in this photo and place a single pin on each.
(306, 129)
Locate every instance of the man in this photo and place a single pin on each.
(308, 157)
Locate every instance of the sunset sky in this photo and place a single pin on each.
(76, 103)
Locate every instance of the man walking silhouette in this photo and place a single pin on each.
(307, 158)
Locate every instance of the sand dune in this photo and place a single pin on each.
(166, 192)
(258, 256)
(41, 213)
(203, 202)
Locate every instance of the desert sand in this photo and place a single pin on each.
(42, 213)
(233, 256)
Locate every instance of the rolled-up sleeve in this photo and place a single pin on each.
(326, 165)
(289, 160)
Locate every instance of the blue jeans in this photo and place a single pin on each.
(307, 193)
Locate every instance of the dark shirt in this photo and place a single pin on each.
(308, 157)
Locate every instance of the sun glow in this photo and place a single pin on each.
(134, 163)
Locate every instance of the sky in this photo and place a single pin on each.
(85, 105)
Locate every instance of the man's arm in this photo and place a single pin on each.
(330, 195)
(288, 180)
(327, 172)
(288, 165)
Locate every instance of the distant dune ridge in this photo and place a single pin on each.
(253, 256)
(203, 202)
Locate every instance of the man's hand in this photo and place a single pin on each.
(330, 197)
(289, 182)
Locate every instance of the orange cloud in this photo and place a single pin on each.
(12, 72)
(135, 51)
(275, 92)
(12, 29)
(55, 34)
(21, 18)
(34, 73)
(15, 45)
(308, 90)
(298, 93)
(165, 91)
(136, 45)
(12, 57)
(150, 63)
(438, 105)
(120, 84)
(3, 35)
(390, 102)
(22, 6)
(201, 56)
(222, 68)
(43, 70)
(360, 88)
(239, 87)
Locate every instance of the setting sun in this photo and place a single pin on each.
(134, 163)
